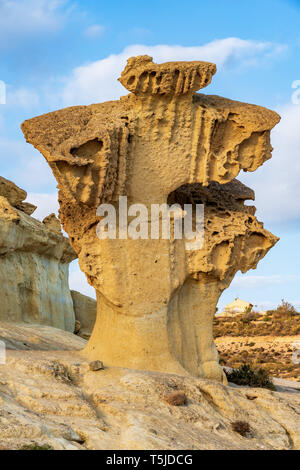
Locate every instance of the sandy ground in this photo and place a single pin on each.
(274, 353)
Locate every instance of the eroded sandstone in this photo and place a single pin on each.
(162, 142)
(34, 265)
(85, 309)
(53, 398)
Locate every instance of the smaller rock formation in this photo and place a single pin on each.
(15, 196)
(34, 264)
(85, 309)
(52, 223)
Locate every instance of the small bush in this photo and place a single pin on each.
(248, 309)
(177, 398)
(244, 375)
(36, 447)
(241, 427)
(267, 318)
(286, 308)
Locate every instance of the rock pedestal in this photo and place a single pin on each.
(160, 144)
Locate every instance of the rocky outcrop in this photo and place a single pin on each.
(34, 265)
(161, 143)
(28, 337)
(15, 196)
(54, 398)
(85, 309)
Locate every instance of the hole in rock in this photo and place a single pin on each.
(88, 149)
(131, 80)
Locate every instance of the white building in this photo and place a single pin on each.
(237, 307)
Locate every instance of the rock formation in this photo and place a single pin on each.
(34, 264)
(85, 309)
(53, 398)
(161, 143)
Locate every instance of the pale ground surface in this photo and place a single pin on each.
(267, 350)
(51, 397)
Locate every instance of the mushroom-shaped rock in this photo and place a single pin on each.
(160, 144)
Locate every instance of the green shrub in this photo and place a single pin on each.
(245, 375)
(36, 446)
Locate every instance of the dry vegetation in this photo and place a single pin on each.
(260, 341)
(284, 321)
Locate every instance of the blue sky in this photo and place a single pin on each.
(57, 53)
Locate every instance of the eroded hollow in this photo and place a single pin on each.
(221, 197)
(87, 150)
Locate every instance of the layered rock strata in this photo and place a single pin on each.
(34, 264)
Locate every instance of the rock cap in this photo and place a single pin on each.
(142, 76)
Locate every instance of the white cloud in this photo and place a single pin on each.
(28, 17)
(94, 31)
(254, 282)
(25, 166)
(97, 81)
(22, 97)
(77, 281)
(46, 204)
(276, 183)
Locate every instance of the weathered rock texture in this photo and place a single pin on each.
(53, 398)
(28, 337)
(34, 264)
(85, 309)
(160, 143)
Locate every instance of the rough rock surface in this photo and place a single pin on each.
(24, 336)
(34, 265)
(12, 192)
(50, 397)
(85, 309)
(162, 142)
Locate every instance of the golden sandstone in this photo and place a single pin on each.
(162, 143)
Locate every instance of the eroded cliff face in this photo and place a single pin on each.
(162, 143)
(34, 264)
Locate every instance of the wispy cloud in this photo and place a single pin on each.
(276, 184)
(97, 81)
(20, 18)
(254, 282)
(94, 31)
(46, 204)
(23, 164)
(22, 97)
